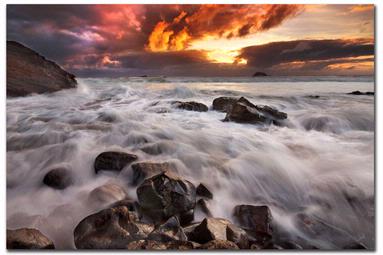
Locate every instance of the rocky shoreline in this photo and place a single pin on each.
(162, 217)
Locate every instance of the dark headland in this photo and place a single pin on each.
(28, 72)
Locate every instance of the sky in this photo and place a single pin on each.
(199, 40)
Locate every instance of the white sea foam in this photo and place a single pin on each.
(321, 165)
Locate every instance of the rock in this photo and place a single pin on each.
(128, 203)
(224, 104)
(165, 195)
(186, 217)
(113, 161)
(28, 72)
(219, 245)
(28, 238)
(112, 228)
(358, 93)
(145, 170)
(355, 246)
(191, 106)
(313, 96)
(106, 194)
(156, 245)
(58, 178)
(203, 191)
(243, 111)
(218, 229)
(259, 74)
(202, 206)
(171, 230)
(255, 218)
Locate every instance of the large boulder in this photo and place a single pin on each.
(113, 161)
(144, 170)
(218, 229)
(165, 195)
(28, 238)
(112, 228)
(58, 178)
(191, 106)
(224, 104)
(243, 111)
(256, 219)
(28, 72)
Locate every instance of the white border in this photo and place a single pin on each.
(379, 111)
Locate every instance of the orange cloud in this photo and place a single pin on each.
(217, 21)
(361, 7)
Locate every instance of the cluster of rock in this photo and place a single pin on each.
(163, 215)
(28, 72)
(358, 93)
(239, 110)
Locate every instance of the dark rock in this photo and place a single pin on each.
(224, 104)
(157, 245)
(218, 229)
(128, 203)
(219, 245)
(58, 178)
(28, 238)
(169, 231)
(203, 191)
(191, 106)
(112, 228)
(186, 217)
(113, 161)
(313, 96)
(243, 111)
(28, 72)
(355, 246)
(165, 195)
(358, 93)
(144, 170)
(106, 194)
(202, 206)
(255, 218)
(259, 74)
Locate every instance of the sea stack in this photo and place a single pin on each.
(28, 72)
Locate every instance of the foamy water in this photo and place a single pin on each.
(320, 165)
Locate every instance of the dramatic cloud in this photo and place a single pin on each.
(193, 39)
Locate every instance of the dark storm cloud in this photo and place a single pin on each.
(275, 53)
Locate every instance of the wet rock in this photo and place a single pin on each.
(224, 104)
(358, 93)
(113, 161)
(186, 217)
(144, 170)
(218, 229)
(28, 238)
(106, 194)
(165, 195)
(156, 245)
(28, 72)
(58, 178)
(355, 246)
(243, 111)
(203, 207)
(171, 230)
(219, 245)
(191, 106)
(203, 191)
(128, 203)
(112, 228)
(255, 218)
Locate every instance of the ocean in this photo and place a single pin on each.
(319, 167)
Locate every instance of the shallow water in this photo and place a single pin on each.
(321, 165)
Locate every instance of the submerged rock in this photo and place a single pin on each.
(28, 72)
(243, 111)
(191, 106)
(203, 191)
(113, 161)
(107, 194)
(28, 238)
(358, 93)
(145, 170)
(224, 104)
(58, 178)
(165, 195)
(257, 219)
(112, 228)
